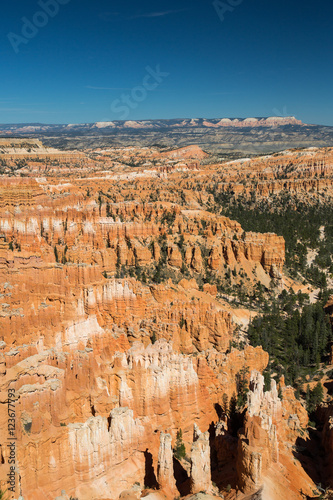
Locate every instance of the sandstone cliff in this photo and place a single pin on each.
(117, 328)
(271, 427)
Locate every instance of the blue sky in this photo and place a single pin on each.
(264, 58)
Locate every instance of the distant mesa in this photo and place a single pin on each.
(104, 124)
(271, 121)
(134, 124)
(225, 121)
(181, 123)
(207, 123)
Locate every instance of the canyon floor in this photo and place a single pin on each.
(138, 288)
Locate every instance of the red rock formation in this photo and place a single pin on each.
(193, 152)
(165, 472)
(105, 354)
(200, 462)
(264, 459)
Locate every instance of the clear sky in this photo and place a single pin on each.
(86, 58)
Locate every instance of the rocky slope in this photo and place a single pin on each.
(116, 331)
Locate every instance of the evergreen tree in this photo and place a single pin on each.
(314, 397)
(225, 404)
(56, 254)
(179, 450)
(242, 386)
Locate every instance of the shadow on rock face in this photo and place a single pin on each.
(182, 478)
(150, 478)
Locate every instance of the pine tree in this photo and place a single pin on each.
(179, 450)
(308, 397)
(225, 404)
(242, 386)
(56, 254)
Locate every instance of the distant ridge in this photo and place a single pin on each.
(228, 137)
(181, 123)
